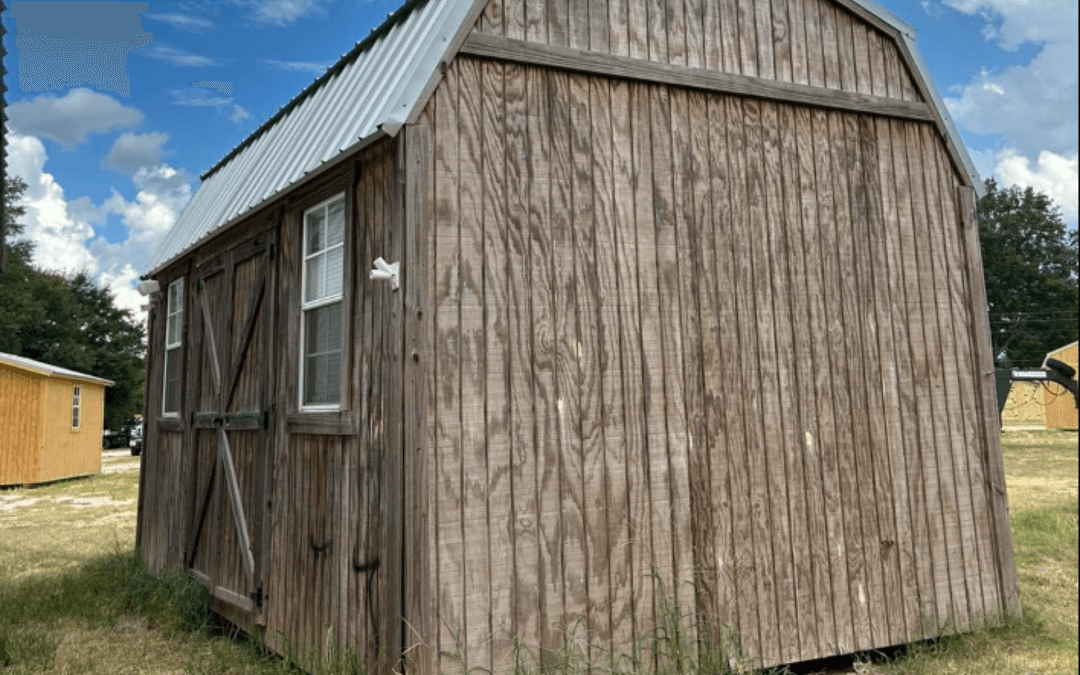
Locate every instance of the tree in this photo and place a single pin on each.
(67, 321)
(1030, 261)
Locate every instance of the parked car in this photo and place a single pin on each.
(115, 439)
(135, 440)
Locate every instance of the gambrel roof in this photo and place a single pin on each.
(373, 90)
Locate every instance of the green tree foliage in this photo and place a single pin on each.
(1030, 261)
(67, 321)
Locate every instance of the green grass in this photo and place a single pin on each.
(76, 599)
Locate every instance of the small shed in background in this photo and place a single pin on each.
(52, 421)
(1025, 405)
(1059, 405)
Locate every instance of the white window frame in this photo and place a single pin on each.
(76, 406)
(176, 285)
(306, 306)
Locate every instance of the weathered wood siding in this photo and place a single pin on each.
(330, 559)
(812, 42)
(330, 564)
(687, 338)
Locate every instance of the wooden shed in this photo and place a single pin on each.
(51, 420)
(1025, 405)
(1060, 406)
(676, 286)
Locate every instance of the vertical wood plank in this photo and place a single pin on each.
(695, 38)
(782, 40)
(475, 487)
(811, 581)
(878, 83)
(800, 63)
(968, 379)
(959, 547)
(536, 28)
(785, 484)
(712, 36)
(618, 33)
(673, 509)
(815, 50)
(760, 342)
(747, 431)
(816, 240)
(496, 365)
(558, 22)
(657, 29)
(578, 17)
(615, 561)
(747, 37)
(860, 335)
(599, 26)
(708, 482)
(901, 590)
(626, 493)
(690, 469)
(914, 417)
(656, 566)
(995, 468)
(730, 50)
(830, 44)
(514, 19)
(927, 365)
(766, 48)
(675, 12)
(845, 40)
(449, 499)
(588, 377)
(419, 627)
(863, 79)
(637, 29)
(525, 599)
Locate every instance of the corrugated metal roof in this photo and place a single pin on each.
(49, 370)
(371, 90)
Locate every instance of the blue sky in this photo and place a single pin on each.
(109, 173)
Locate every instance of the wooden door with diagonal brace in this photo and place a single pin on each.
(233, 354)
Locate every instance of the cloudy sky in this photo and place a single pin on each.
(110, 164)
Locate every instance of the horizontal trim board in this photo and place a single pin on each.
(528, 53)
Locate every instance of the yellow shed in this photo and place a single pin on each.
(1061, 410)
(52, 420)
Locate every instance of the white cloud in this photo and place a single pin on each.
(131, 151)
(177, 56)
(69, 119)
(203, 99)
(186, 22)
(1034, 106)
(297, 66)
(1053, 174)
(63, 230)
(283, 12)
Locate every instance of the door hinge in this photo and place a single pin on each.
(265, 419)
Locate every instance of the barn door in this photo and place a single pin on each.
(231, 423)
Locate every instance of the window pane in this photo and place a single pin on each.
(172, 381)
(335, 226)
(333, 262)
(322, 355)
(173, 329)
(315, 239)
(314, 278)
(176, 297)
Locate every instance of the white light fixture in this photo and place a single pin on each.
(148, 287)
(385, 271)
